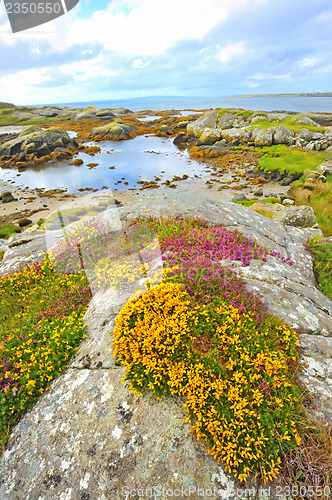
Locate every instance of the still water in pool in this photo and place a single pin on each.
(141, 158)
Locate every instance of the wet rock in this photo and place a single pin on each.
(77, 162)
(165, 129)
(24, 222)
(41, 143)
(181, 125)
(181, 139)
(7, 197)
(118, 130)
(258, 193)
(239, 197)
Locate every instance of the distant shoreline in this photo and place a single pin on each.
(303, 94)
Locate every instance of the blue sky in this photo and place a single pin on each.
(136, 48)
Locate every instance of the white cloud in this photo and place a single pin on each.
(230, 52)
(25, 83)
(92, 69)
(309, 62)
(139, 63)
(149, 27)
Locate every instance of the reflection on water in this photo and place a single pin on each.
(149, 118)
(121, 162)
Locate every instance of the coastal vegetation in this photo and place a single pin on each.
(237, 366)
(41, 327)
(291, 160)
(321, 251)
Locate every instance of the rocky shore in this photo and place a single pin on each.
(226, 141)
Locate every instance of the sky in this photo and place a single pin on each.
(104, 50)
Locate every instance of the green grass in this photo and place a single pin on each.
(320, 199)
(223, 111)
(249, 203)
(239, 112)
(9, 120)
(322, 253)
(286, 122)
(260, 114)
(245, 114)
(8, 230)
(291, 160)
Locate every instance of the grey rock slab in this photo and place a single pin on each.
(90, 436)
(316, 344)
(206, 121)
(23, 249)
(96, 350)
(321, 390)
(296, 310)
(275, 271)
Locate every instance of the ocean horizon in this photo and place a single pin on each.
(254, 103)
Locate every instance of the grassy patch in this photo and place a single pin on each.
(8, 230)
(322, 253)
(245, 114)
(291, 160)
(7, 120)
(320, 199)
(224, 111)
(249, 203)
(287, 123)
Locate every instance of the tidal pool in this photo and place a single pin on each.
(142, 158)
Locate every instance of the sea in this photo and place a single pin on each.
(254, 103)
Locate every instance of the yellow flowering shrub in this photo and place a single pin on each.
(239, 394)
